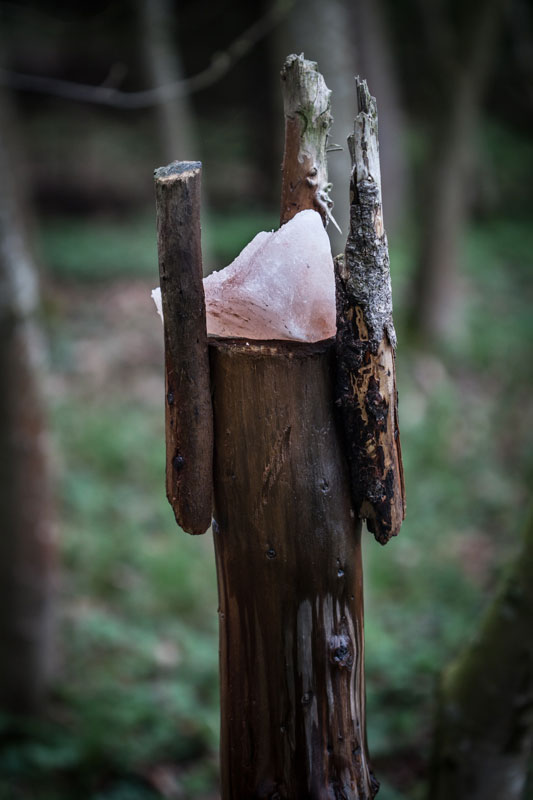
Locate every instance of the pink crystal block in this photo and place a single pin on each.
(281, 286)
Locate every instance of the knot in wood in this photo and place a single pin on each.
(341, 652)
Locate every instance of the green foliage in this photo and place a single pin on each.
(102, 250)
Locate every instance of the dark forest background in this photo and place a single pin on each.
(108, 613)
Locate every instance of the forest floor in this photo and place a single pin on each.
(134, 711)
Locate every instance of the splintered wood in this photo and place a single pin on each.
(366, 341)
(307, 104)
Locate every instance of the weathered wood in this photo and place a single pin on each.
(290, 580)
(188, 409)
(366, 340)
(308, 119)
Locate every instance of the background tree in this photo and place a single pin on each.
(484, 735)
(460, 49)
(26, 537)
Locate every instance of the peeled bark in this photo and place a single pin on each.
(26, 518)
(290, 578)
(484, 736)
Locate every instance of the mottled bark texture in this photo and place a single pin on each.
(26, 516)
(290, 582)
(484, 735)
(307, 104)
(365, 384)
(188, 411)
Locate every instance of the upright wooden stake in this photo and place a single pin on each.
(188, 411)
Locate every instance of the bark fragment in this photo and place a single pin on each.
(366, 340)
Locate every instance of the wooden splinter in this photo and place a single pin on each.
(307, 106)
(188, 409)
(366, 340)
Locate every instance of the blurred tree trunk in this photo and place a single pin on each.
(347, 39)
(26, 541)
(444, 211)
(484, 734)
(159, 41)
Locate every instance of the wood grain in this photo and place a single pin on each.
(188, 409)
(289, 569)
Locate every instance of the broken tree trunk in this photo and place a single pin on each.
(290, 578)
(287, 537)
(366, 341)
(307, 105)
(286, 523)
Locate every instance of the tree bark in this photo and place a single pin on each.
(288, 553)
(188, 411)
(26, 542)
(366, 340)
(307, 104)
(484, 734)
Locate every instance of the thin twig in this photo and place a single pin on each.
(221, 64)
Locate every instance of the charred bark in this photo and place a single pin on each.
(366, 341)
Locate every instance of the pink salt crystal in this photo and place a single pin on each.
(281, 286)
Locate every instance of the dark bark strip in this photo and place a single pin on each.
(188, 410)
(307, 103)
(366, 385)
(290, 578)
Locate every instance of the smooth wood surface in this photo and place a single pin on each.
(188, 410)
(288, 554)
(366, 340)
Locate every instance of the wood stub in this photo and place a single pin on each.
(366, 341)
(188, 409)
(289, 570)
(308, 119)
